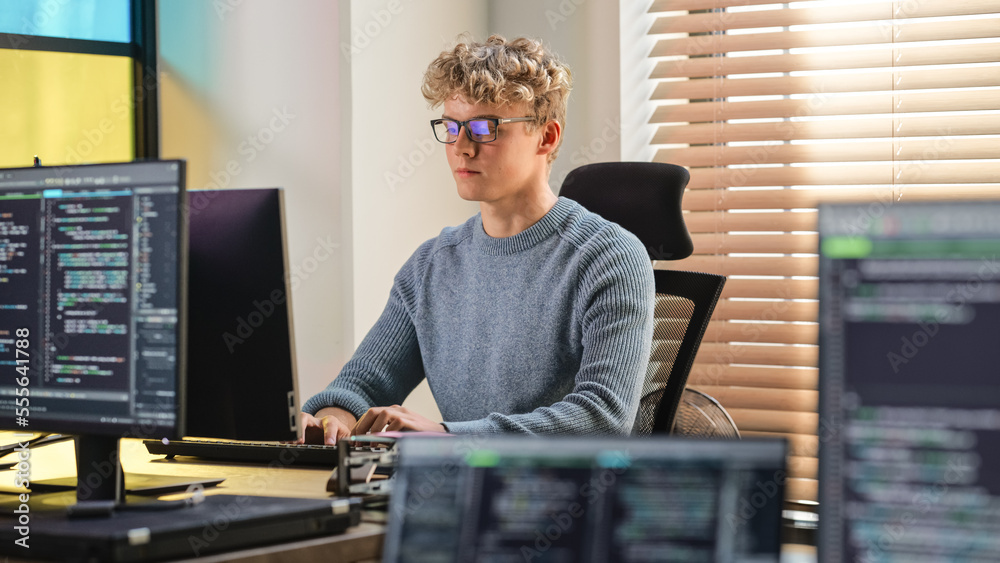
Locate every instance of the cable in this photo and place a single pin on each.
(40, 440)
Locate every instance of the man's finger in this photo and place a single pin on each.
(364, 423)
(342, 432)
(303, 421)
(331, 430)
(310, 429)
(382, 421)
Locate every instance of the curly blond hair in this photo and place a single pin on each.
(499, 73)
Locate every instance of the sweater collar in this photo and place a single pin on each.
(543, 229)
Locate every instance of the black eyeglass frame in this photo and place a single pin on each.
(497, 122)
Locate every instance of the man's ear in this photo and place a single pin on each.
(551, 133)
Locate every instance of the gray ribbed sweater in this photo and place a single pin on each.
(547, 331)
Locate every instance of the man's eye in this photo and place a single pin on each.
(480, 127)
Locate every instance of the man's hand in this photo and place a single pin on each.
(328, 426)
(382, 419)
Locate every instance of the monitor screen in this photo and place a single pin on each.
(241, 359)
(909, 384)
(584, 499)
(92, 280)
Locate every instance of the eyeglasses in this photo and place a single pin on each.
(480, 129)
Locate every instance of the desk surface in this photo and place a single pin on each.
(360, 543)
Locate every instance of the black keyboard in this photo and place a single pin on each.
(255, 452)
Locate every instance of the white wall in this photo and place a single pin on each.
(636, 87)
(358, 160)
(585, 34)
(235, 73)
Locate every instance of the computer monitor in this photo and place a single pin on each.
(92, 294)
(241, 357)
(582, 499)
(909, 384)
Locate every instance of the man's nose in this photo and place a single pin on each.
(464, 145)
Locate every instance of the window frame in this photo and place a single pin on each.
(145, 78)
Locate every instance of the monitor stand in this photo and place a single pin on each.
(100, 484)
(99, 475)
(98, 462)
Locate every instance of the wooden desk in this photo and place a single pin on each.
(361, 543)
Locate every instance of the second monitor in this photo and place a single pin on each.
(241, 356)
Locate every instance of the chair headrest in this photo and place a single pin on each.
(642, 197)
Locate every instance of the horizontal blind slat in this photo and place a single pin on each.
(967, 76)
(803, 467)
(722, 242)
(902, 172)
(766, 399)
(902, 32)
(783, 288)
(797, 490)
(722, 199)
(885, 56)
(756, 354)
(939, 193)
(817, 105)
(686, 5)
(751, 265)
(727, 309)
(772, 332)
(703, 373)
(782, 17)
(872, 127)
(774, 421)
(952, 148)
(716, 221)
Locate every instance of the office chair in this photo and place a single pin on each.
(645, 198)
(699, 414)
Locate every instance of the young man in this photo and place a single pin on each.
(535, 316)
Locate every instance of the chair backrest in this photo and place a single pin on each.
(645, 198)
(684, 305)
(700, 415)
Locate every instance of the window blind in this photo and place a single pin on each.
(776, 108)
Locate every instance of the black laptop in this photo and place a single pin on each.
(219, 523)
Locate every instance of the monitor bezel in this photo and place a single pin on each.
(132, 429)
